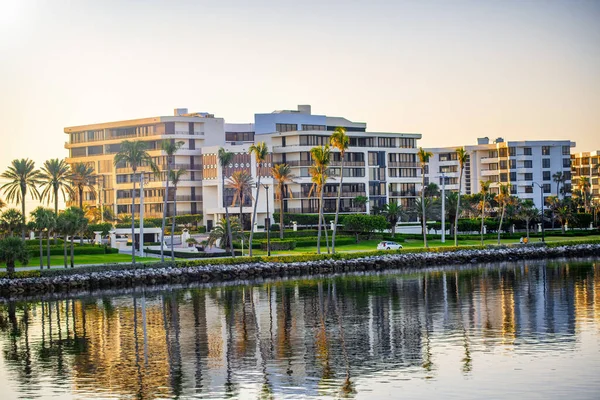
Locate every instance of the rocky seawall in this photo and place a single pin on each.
(221, 273)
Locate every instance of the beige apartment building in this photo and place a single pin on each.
(587, 164)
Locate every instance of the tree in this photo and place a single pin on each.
(424, 157)
(559, 178)
(13, 249)
(73, 222)
(394, 212)
(553, 204)
(43, 220)
(451, 208)
(361, 201)
(504, 199)
(225, 158)
(484, 192)
(55, 178)
(340, 141)
(428, 209)
(319, 171)
(242, 183)
(221, 233)
(11, 220)
(175, 177)
(2, 204)
(282, 174)
(364, 223)
(83, 177)
(583, 185)
(169, 147)
(563, 214)
(462, 157)
(527, 212)
(135, 155)
(22, 176)
(260, 152)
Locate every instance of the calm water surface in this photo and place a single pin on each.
(524, 330)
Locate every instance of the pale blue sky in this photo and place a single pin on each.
(452, 70)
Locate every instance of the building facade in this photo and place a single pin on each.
(529, 167)
(587, 164)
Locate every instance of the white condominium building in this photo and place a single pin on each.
(529, 166)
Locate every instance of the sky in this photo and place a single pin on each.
(451, 70)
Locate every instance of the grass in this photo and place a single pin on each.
(86, 259)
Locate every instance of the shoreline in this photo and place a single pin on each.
(146, 277)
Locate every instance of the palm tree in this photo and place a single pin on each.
(340, 141)
(175, 178)
(2, 204)
(43, 220)
(225, 158)
(221, 233)
(22, 176)
(55, 179)
(360, 201)
(484, 192)
(583, 185)
(394, 212)
(462, 156)
(527, 212)
(451, 208)
(559, 178)
(503, 200)
(73, 222)
(135, 154)
(82, 177)
(563, 214)
(282, 174)
(319, 180)
(321, 157)
(13, 249)
(11, 220)
(553, 204)
(242, 182)
(424, 157)
(260, 152)
(170, 148)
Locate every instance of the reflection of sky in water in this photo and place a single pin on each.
(526, 330)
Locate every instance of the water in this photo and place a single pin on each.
(524, 330)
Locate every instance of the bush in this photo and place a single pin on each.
(581, 220)
(77, 250)
(303, 219)
(364, 224)
(275, 227)
(22, 274)
(104, 228)
(279, 245)
(185, 254)
(127, 225)
(36, 242)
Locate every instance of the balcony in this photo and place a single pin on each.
(489, 160)
(403, 164)
(489, 172)
(406, 193)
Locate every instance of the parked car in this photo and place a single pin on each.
(389, 246)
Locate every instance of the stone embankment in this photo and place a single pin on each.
(219, 273)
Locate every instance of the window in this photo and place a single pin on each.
(546, 175)
(78, 152)
(493, 154)
(313, 140)
(503, 152)
(407, 143)
(513, 176)
(503, 164)
(448, 156)
(512, 151)
(402, 172)
(566, 163)
(528, 164)
(444, 169)
(239, 136)
(386, 142)
(373, 158)
(512, 163)
(313, 127)
(567, 175)
(503, 177)
(545, 150)
(513, 189)
(528, 176)
(547, 187)
(527, 151)
(566, 150)
(528, 189)
(362, 142)
(545, 163)
(286, 127)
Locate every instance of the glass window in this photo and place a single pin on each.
(566, 150)
(546, 175)
(528, 176)
(512, 151)
(547, 187)
(545, 163)
(513, 176)
(545, 150)
(313, 127)
(513, 163)
(527, 151)
(528, 164)
(566, 163)
(286, 127)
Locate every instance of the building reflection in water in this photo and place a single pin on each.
(303, 337)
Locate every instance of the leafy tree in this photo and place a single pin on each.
(13, 249)
(451, 208)
(135, 155)
(11, 220)
(225, 158)
(394, 212)
(260, 152)
(72, 221)
(364, 224)
(321, 156)
(242, 182)
(43, 219)
(55, 178)
(527, 212)
(462, 157)
(220, 233)
(424, 157)
(282, 174)
(340, 141)
(170, 148)
(22, 177)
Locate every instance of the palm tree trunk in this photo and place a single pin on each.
(326, 234)
(337, 205)
(72, 253)
(227, 219)
(457, 209)
(41, 250)
(424, 220)
(48, 248)
(55, 215)
(81, 208)
(23, 211)
(65, 250)
(281, 194)
(501, 220)
(482, 217)
(241, 211)
(164, 217)
(254, 212)
(527, 227)
(133, 221)
(173, 224)
(320, 220)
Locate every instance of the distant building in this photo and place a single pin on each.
(587, 164)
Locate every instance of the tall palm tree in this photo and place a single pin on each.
(583, 184)
(340, 141)
(559, 178)
(563, 214)
(11, 220)
(22, 176)
(553, 204)
(175, 178)
(393, 213)
(462, 157)
(2, 204)
(319, 170)
(82, 177)
(135, 155)
(169, 148)
(282, 174)
(225, 158)
(242, 182)
(503, 200)
(424, 157)
(260, 152)
(484, 192)
(55, 178)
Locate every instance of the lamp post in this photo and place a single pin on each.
(268, 222)
(443, 176)
(141, 242)
(542, 204)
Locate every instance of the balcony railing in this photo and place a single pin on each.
(405, 193)
(403, 164)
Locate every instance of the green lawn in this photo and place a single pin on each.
(87, 259)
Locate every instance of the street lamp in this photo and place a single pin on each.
(542, 203)
(443, 176)
(268, 222)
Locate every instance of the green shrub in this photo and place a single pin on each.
(279, 245)
(77, 250)
(22, 274)
(185, 254)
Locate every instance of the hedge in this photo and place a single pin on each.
(77, 250)
(278, 245)
(185, 254)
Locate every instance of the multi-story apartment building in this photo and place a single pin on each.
(523, 164)
(587, 164)
(381, 166)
